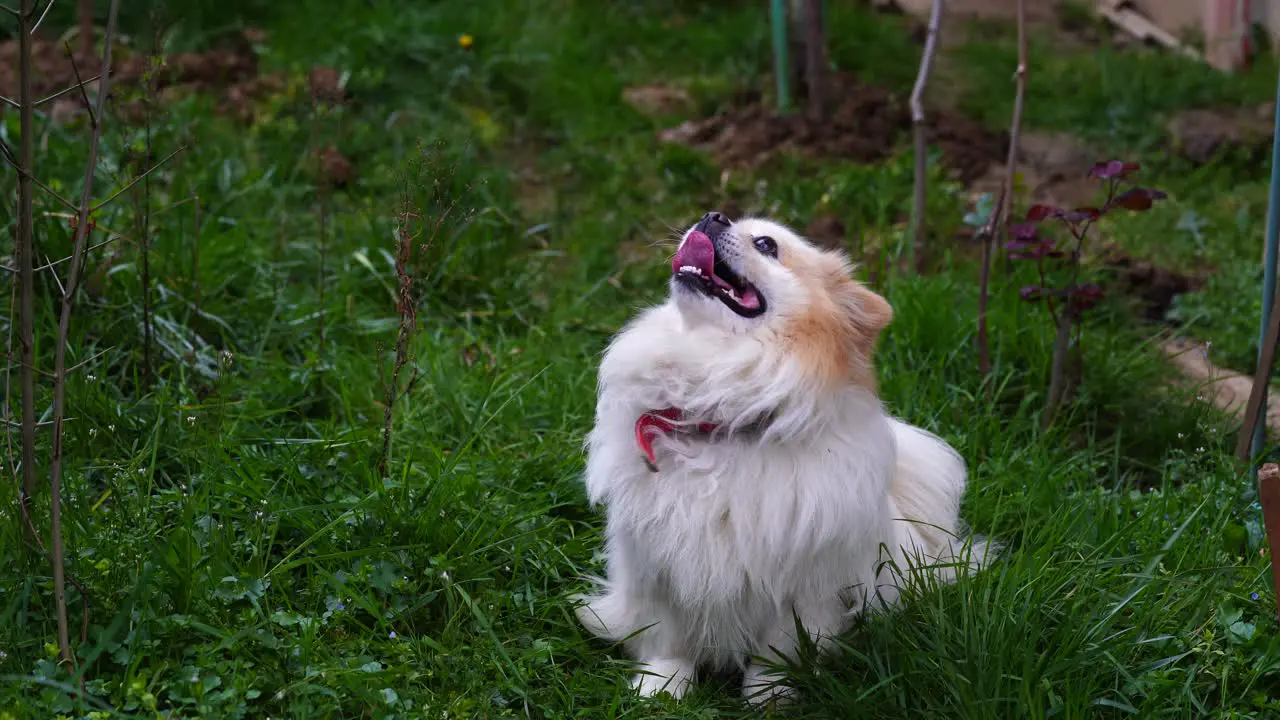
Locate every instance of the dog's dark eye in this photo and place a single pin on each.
(767, 246)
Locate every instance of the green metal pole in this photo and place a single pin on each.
(1269, 276)
(781, 74)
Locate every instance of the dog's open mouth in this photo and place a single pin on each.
(698, 267)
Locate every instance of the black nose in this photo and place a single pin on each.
(713, 223)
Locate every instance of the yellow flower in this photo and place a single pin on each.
(465, 41)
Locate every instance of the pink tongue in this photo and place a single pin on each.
(696, 251)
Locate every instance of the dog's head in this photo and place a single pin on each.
(757, 278)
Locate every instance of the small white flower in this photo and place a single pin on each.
(444, 575)
(93, 432)
(111, 428)
(191, 419)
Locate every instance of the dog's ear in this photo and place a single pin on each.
(836, 336)
(868, 312)
(861, 316)
(866, 315)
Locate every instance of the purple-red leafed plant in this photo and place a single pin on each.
(1068, 302)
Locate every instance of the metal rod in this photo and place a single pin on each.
(781, 71)
(1269, 276)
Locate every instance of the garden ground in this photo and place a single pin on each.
(241, 553)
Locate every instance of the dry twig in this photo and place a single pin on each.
(439, 208)
(1261, 386)
(815, 48)
(406, 218)
(1000, 213)
(24, 252)
(60, 351)
(920, 133)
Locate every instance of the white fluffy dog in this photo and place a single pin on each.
(750, 474)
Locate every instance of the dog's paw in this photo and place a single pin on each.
(670, 675)
(761, 688)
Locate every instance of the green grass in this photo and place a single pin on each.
(244, 559)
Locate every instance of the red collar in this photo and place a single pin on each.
(657, 422)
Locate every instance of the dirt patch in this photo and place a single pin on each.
(230, 73)
(1201, 134)
(827, 231)
(864, 125)
(1226, 389)
(1054, 167)
(658, 100)
(1152, 287)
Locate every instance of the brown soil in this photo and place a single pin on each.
(1152, 287)
(231, 73)
(1054, 167)
(657, 100)
(1200, 134)
(865, 125)
(827, 231)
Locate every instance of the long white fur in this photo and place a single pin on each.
(710, 560)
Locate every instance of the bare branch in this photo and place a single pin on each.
(54, 273)
(60, 350)
(8, 9)
(137, 179)
(11, 103)
(15, 423)
(176, 204)
(48, 6)
(8, 413)
(21, 169)
(999, 219)
(114, 236)
(93, 119)
(815, 58)
(78, 86)
(86, 361)
(921, 139)
(1253, 413)
(24, 250)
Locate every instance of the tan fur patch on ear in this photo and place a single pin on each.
(871, 312)
(836, 335)
(865, 315)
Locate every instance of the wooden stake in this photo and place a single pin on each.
(1254, 411)
(1269, 498)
